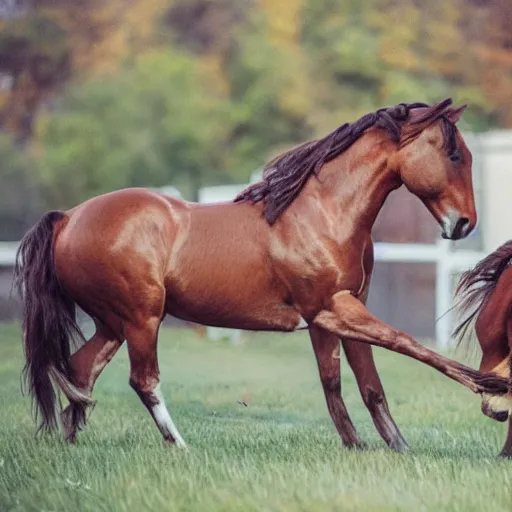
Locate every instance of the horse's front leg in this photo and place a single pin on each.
(327, 350)
(360, 359)
(507, 448)
(347, 317)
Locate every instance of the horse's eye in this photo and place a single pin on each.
(455, 156)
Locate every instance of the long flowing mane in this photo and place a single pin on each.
(476, 285)
(285, 175)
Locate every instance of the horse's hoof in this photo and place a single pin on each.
(399, 445)
(356, 445)
(176, 443)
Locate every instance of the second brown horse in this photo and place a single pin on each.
(292, 252)
(485, 294)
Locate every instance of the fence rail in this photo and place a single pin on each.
(8, 253)
(448, 263)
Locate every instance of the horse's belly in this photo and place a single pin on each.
(221, 310)
(222, 278)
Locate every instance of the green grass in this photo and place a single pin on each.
(280, 453)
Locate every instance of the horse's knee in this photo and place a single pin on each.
(372, 398)
(331, 384)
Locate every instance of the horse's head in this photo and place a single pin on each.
(435, 164)
(498, 407)
(496, 355)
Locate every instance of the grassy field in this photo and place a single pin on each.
(278, 453)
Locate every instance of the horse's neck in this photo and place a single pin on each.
(353, 187)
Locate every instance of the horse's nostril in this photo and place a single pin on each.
(464, 222)
(495, 415)
(500, 416)
(461, 228)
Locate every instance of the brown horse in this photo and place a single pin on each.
(292, 252)
(486, 295)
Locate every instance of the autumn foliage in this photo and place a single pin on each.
(111, 93)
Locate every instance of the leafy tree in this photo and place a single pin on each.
(268, 98)
(115, 93)
(144, 127)
(19, 193)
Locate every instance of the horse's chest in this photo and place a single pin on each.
(315, 275)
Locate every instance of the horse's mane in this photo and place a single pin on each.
(476, 285)
(285, 175)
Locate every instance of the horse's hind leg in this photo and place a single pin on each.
(86, 365)
(360, 359)
(145, 376)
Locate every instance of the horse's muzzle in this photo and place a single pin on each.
(495, 415)
(456, 228)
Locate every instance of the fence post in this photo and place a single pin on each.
(443, 294)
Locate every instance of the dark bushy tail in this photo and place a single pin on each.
(49, 325)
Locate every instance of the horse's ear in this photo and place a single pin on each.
(443, 104)
(430, 114)
(455, 114)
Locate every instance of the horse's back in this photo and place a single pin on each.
(112, 222)
(126, 199)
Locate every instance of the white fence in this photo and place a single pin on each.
(448, 263)
(8, 253)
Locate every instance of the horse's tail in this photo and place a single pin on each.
(49, 325)
(476, 285)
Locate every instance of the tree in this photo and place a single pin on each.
(19, 194)
(206, 91)
(46, 42)
(152, 123)
(34, 53)
(269, 98)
